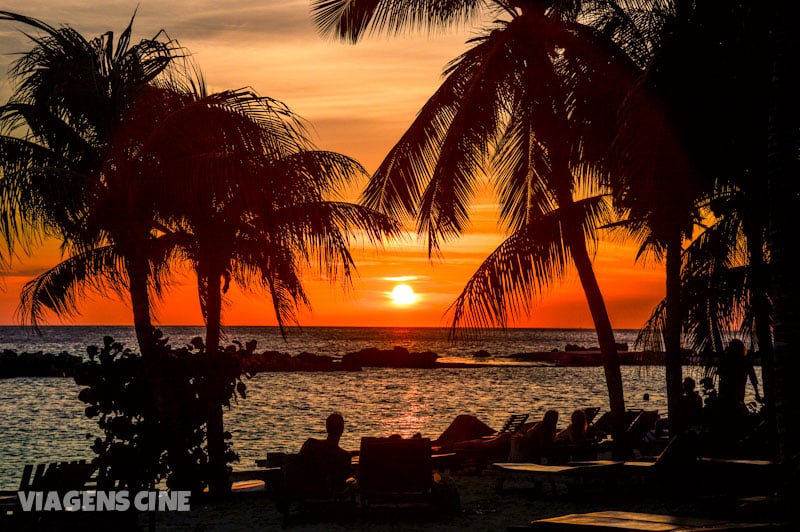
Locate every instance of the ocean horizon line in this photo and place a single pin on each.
(301, 327)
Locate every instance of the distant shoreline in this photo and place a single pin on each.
(39, 364)
(491, 330)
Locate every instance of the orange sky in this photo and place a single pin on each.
(359, 99)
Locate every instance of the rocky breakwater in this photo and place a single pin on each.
(253, 363)
(399, 357)
(64, 365)
(38, 364)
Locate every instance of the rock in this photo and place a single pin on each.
(253, 363)
(399, 357)
(38, 364)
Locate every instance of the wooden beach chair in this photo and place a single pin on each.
(57, 476)
(574, 475)
(669, 467)
(512, 424)
(740, 477)
(395, 470)
(591, 413)
(300, 491)
(609, 521)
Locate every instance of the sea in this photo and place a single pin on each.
(42, 420)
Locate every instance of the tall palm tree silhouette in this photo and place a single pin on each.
(507, 107)
(678, 143)
(59, 179)
(255, 209)
(229, 181)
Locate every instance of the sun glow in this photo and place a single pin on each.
(403, 295)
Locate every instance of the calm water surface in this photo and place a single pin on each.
(41, 419)
(334, 341)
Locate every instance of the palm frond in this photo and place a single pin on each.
(511, 278)
(349, 20)
(396, 187)
(309, 175)
(61, 288)
(325, 230)
(651, 336)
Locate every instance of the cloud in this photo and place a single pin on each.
(401, 279)
(30, 271)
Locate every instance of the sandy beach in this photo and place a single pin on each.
(482, 509)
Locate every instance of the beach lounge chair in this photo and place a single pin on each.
(670, 465)
(58, 476)
(513, 423)
(591, 413)
(740, 477)
(678, 470)
(603, 425)
(574, 475)
(395, 470)
(301, 491)
(645, 421)
(609, 521)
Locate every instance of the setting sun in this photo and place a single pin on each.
(403, 295)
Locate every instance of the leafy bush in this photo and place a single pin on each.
(152, 411)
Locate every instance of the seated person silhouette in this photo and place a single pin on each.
(324, 460)
(574, 440)
(691, 403)
(536, 443)
(469, 436)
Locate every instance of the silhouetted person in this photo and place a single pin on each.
(472, 438)
(735, 367)
(325, 457)
(575, 437)
(691, 402)
(536, 443)
(543, 434)
(710, 393)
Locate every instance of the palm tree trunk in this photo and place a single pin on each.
(138, 274)
(762, 314)
(218, 479)
(784, 201)
(160, 385)
(672, 334)
(602, 325)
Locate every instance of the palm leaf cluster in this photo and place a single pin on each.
(507, 106)
(716, 284)
(71, 93)
(120, 152)
(515, 108)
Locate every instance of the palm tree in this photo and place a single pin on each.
(59, 176)
(717, 289)
(516, 90)
(259, 202)
(783, 164)
(678, 140)
(231, 179)
(255, 210)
